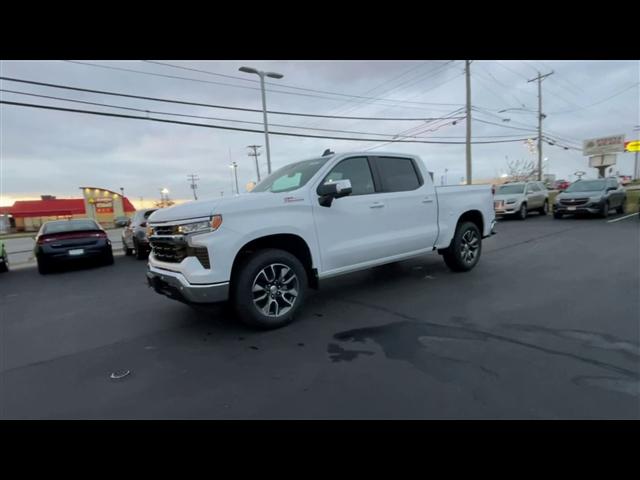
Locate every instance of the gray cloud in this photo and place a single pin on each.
(55, 152)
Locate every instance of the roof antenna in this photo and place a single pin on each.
(327, 152)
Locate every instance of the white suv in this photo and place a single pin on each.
(519, 198)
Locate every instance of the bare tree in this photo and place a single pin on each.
(522, 170)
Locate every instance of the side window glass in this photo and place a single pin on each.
(397, 174)
(356, 170)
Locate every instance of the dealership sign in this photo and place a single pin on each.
(602, 146)
(102, 205)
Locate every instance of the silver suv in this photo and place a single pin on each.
(519, 198)
(134, 235)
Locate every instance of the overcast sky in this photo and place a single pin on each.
(51, 152)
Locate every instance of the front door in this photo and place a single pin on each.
(352, 230)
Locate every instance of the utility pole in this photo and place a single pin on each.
(255, 154)
(467, 73)
(193, 177)
(541, 116)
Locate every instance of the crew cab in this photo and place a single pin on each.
(308, 222)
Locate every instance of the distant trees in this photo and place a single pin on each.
(523, 170)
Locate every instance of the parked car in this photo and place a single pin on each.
(64, 241)
(4, 258)
(121, 221)
(591, 196)
(519, 198)
(561, 185)
(134, 235)
(308, 222)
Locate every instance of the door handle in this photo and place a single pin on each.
(376, 205)
(427, 200)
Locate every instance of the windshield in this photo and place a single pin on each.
(291, 177)
(70, 226)
(587, 186)
(510, 189)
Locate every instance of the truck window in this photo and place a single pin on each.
(397, 174)
(356, 170)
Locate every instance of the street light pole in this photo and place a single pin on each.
(234, 166)
(262, 74)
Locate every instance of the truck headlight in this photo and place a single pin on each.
(205, 226)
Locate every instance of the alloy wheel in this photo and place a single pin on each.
(275, 289)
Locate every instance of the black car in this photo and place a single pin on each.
(65, 241)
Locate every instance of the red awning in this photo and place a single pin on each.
(47, 208)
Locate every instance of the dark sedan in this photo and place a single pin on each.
(65, 241)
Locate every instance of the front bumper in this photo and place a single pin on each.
(587, 208)
(174, 286)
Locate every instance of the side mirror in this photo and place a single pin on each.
(332, 190)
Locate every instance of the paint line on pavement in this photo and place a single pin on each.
(622, 218)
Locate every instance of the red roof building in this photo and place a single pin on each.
(30, 214)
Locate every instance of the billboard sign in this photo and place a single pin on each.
(604, 145)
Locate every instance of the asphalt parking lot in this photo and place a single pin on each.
(545, 327)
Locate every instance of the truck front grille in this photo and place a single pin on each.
(166, 230)
(167, 251)
(174, 251)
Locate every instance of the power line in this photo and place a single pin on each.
(208, 72)
(198, 104)
(177, 77)
(635, 85)
(156, 112)
(221, 127)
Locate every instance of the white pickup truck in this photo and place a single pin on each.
(310, 221)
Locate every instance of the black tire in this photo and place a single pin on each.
(250, 275)
(4, 266)
(141, 252)
(557, 215)
(454, 255)
(108, 259)
(43, 267)
(522, 213)
(604, 213)
(127, 251)
(544, 210)
(621, 209)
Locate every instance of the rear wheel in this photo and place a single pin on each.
(544, 210)
(522, 213)
(465, 249)
(269, 289)
(4, 266)
(43, 267)
(108, 259)
(127, 251)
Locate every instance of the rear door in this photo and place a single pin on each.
(411, 209)
(535, 196)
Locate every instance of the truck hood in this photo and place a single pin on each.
(206, 207)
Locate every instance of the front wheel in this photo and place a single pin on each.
(269, 289)
(522, 213)
(557, 215)
(621, 208)
(465, 249)
(604, 213)
(141, 252)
